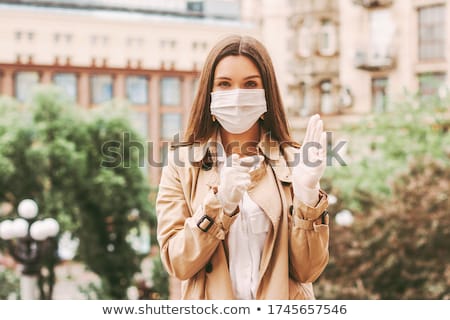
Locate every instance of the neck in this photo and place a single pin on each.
(244, 143)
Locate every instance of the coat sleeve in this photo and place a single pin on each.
(187, 241)
(308, 239)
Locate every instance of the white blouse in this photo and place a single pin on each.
(246, 239)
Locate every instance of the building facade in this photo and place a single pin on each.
(402, 46)
(378, 50)
(314, 83)
(148, 53)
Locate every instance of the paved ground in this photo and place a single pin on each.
(72, 276)
(69, 278)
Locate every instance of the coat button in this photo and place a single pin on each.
(208, 267)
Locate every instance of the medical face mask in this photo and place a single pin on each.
(238, 110)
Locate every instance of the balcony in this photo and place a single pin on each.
(317, 67)
(374, 61)
(313, 6)
(373, 3)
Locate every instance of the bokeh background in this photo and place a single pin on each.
(76, 74)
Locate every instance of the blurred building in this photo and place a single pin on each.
(148, 52)
(341, 58)
(314, 84)
(350, 57)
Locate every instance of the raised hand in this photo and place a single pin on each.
(234, 181)
(313, 155)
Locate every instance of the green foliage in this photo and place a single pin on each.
(399, 250)
(9, 284)
(160, 279)
(54, 153)
(93, 291)
(398, 187)
(381, 145)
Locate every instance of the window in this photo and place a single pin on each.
(379, 94)
(431, 83)
(382, 28)
(137, 89)
(305, 41)
(101, 88)
(68, 82)
(170, 125)
(195, 6)
(305, 100)
(327, 39)
(432, 33)
(326, 98)
(24, 84)
(170, 91)
(139, 121)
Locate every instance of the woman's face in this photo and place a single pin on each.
(236, 72)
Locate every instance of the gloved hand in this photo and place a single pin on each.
(234, 181)
(313, 157)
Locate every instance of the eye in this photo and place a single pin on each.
(251, 84)
(223, 84)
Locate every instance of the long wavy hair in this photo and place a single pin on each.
(201, 126)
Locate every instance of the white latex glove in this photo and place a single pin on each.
(234, 181)
(311, 167)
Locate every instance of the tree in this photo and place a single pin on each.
(398, 250)
(399, 192)
(381, 145)
(54, 153)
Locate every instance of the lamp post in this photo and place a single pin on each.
(30, 241)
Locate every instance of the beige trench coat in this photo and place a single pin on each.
(192, 228)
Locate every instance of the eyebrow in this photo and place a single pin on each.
(246, 78)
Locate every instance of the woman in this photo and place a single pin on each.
(240, 211)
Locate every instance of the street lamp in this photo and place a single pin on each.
(344, 218)
(30, 241)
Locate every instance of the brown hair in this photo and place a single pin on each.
(200, 125)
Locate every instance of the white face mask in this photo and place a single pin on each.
(238, 110)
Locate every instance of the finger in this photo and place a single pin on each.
(241, 177)
(310, 128)
(323, 143)
(249, 161)
(243, 186)
(316, 132)
(235, 159)
(241, 169)
(244, 183)
(242, 180)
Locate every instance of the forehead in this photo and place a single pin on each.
(236, 67)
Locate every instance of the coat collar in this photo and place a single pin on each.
(268, 146)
